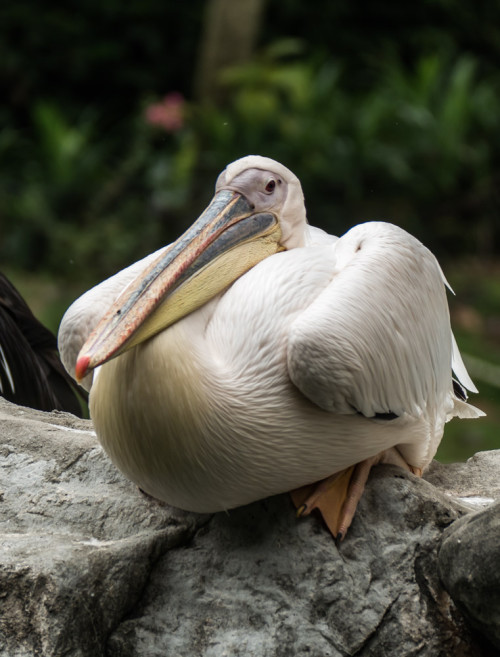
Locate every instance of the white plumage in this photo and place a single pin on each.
(292, 372)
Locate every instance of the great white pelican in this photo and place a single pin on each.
(258, 354)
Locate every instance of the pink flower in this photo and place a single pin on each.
(168, 113)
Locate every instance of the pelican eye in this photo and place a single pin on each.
(271, 184)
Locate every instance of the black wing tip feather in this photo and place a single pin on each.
(459, 390)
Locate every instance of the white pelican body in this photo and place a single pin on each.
(316, 358)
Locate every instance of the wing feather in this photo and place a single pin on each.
(377, 339)
(31, 373)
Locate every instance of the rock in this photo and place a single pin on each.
(89, 566)
(78, 541)
(468, 565)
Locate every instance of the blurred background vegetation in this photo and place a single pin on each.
(116, 118)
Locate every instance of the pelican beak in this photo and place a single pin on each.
(227, 240)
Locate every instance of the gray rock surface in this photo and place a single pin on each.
(91, 567)
(469, 565)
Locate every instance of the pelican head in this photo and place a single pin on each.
(271, 187)
(258, 209)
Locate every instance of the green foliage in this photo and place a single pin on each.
(77, 196)
(83, 201)
(422, 135)
(383, 111)
(99, 53)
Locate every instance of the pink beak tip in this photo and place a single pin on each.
(81, 367)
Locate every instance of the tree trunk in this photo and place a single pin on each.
(229, 35)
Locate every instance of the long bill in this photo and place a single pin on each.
(227, 240)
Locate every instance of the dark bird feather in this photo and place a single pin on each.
(31, 373)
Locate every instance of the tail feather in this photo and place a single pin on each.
(464, 411)
(457, 365)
